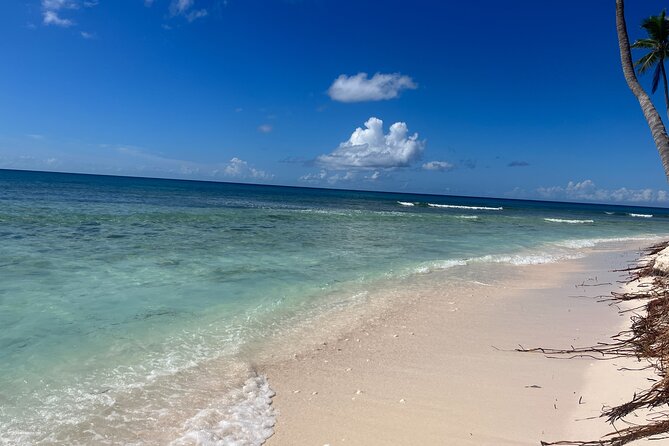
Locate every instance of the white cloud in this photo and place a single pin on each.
(331, 178)
(314, 177)
(55, 5)
(441, 166)
(51, 10)
(87, 35)
(180, 6)
(184, 8)
(265, 128)
(587, 191)
(359, 87)
(238, 168)
(52, 18)
(198, 14)
(370, 148)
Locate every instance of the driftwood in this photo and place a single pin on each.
(648, 341)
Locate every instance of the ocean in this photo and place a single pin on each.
(136, 310)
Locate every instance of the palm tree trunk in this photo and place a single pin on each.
(666, 93)
(649, 112)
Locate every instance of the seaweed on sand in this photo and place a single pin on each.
(647, 340)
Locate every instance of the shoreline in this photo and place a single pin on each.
(441, 368)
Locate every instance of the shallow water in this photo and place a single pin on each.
(131, 307)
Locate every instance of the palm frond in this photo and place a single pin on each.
(646, 62)
(656, 27)
(656, 77)
(646, 43)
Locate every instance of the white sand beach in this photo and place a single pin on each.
(443, 370)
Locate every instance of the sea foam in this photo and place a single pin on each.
(244, 417)
(631, 214)
(406, 203)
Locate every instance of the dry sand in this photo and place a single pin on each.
(442, 370)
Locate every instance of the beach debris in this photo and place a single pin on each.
(396, 336)
(533, 386)
(358, 392)
(314, 393)
(646, 340)
(402, 401)
(348, 369)
(296, 391)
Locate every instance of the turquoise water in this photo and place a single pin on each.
(124, 299)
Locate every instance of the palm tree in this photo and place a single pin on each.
(653, 119)
(657, 43)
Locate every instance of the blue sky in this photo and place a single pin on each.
(513, 99)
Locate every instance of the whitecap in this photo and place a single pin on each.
(475, 208)
(640, 215)
(467, 217)
(406, 203)
(560, 220)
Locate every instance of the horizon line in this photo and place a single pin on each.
(335, 188)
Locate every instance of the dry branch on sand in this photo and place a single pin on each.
(648, 341)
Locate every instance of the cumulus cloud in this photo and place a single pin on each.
(359, 87)
(587, 190)
(238, 168)
(441, 166)
(370, 148)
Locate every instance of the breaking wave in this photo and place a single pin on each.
(561, 220)
(473, 208)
